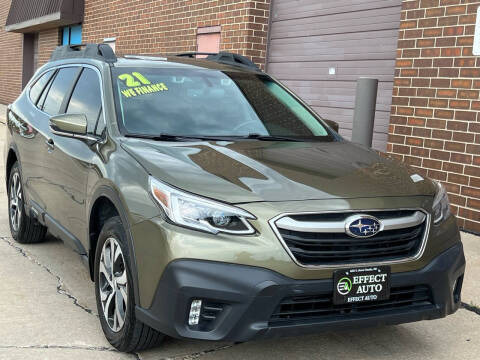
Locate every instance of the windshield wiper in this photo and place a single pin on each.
(268, 137)
(170, 137)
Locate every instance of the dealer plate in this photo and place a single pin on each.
(361, 285)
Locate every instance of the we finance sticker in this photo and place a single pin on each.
(137, 85)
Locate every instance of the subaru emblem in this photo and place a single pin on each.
(362, 226)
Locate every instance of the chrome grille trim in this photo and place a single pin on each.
(288, 223)
(425, 215)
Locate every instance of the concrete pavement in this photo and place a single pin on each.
(48, 311)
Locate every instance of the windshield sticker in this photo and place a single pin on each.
(135, 80)
(143, 90)
(130, 79)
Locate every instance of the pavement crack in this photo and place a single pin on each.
(200, 353)
(71, 347)
(471, 307)
(60, 286)
(64, 347)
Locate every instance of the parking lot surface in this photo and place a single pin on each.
(48, 311)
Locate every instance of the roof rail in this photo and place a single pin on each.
(146, 57)
(102, 52)
(224, 58)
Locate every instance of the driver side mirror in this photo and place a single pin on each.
(70, 125)
(334, 125)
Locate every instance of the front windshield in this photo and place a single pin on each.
(203, 102)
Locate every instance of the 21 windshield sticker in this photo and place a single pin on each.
(137, 84)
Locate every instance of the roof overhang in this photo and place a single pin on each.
(34, 15)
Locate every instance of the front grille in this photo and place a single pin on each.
(335, 248)
(321, 307)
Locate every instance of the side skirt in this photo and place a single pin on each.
(57, 230)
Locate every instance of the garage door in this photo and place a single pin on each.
(320, 48)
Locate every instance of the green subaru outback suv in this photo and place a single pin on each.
(209, 202)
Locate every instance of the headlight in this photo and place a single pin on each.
(441, 206)
(200, 213)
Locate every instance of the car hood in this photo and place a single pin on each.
(248, 171)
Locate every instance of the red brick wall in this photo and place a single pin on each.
(11, 55)
(146, 27)
(48, 40)
(435, 123)
(170, 26)
(11, 52)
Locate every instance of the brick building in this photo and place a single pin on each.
(421, 50)
(140, 27)
(435, 119)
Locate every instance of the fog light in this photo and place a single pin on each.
(195, 309)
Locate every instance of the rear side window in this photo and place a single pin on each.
(41, 100)
(37, 88)
(60, 86)
(87, 98)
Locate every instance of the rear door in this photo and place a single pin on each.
(35, 134)
(28, 123)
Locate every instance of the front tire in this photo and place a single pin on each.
(24, 229)
(114, 292)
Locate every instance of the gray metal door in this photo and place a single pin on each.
(319, 48)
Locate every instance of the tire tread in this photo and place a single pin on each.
(30, 231)
(139, 336)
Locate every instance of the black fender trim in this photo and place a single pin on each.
(114, 197)
(57, 230)
(11, 147)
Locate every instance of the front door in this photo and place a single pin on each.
(72, 159)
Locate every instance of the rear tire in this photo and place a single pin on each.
(114, 292)
(24, 229)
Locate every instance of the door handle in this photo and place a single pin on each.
(50, 145)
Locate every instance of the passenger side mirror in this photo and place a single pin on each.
(334, 125)
(71, 125)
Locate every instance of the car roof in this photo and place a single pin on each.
(88, 53)
(178, 62)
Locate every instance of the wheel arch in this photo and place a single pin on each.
(12, 158)
(106, 203)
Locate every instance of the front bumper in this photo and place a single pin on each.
(241, 299)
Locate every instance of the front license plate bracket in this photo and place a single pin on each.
(360, 285)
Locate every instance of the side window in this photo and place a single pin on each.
(87, 98)
(100, 124)
(39, 85)
(60, 86)
(41, 100)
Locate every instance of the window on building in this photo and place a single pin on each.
(37, 88)
(60, 86)
(87, 98)
(208, 39)
(72, 35)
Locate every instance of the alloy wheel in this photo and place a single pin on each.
(16, 201)
(113, 284)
